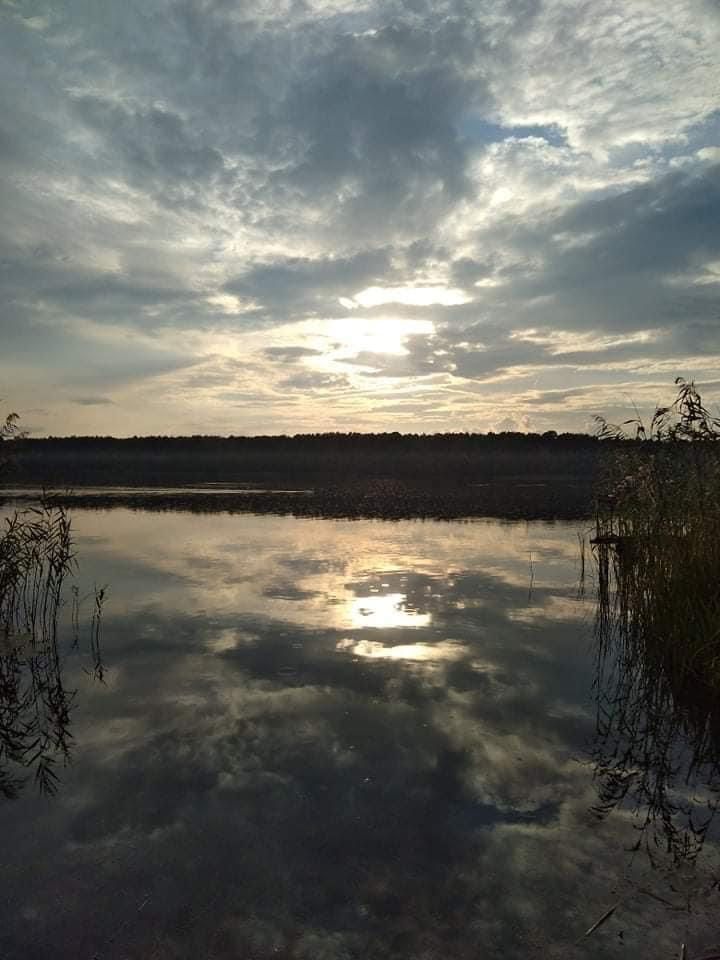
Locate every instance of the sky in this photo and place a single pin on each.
(274, 216)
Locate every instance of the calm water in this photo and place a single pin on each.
(326, 739)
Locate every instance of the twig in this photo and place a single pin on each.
(599, 923)
(532, 577)
(667, 903)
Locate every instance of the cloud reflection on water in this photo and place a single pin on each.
(385, 610)
(427, 652)
(283, 775)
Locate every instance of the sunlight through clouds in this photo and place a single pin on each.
(376, 335)
(410, 296)
(342, 204)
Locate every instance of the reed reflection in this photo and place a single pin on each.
(36, 560)
(657, 750)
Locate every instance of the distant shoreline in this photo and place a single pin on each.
(545, 499)
(391, 476)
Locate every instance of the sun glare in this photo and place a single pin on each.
(385, 611)
(375, 335)
(409, 296)
(418, 652)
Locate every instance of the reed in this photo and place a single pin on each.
(657, 552)
(657, 540)
(36, 559)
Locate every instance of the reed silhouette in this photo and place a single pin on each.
(36, 560)
(657, 553)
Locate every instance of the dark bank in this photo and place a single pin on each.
(387, 475)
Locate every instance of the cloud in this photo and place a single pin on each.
(290, 354)
(621, 80)
(312, 380)
(627, 276)
(313, 799)
(210, 175)
(298, 286)
(154, 145)
(92, 401)
(378, 118)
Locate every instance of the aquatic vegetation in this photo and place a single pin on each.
(36, 559)
(658, 539)
(385, 499)
(657, 551)
(657, 749)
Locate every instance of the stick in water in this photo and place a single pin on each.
(600, 922)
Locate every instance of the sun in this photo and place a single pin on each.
(353, 335)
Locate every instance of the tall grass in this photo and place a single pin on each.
(657, 550)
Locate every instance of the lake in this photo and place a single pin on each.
(328, 739)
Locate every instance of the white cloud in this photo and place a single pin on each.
(611, 75)
(409, 172)
(410, 296)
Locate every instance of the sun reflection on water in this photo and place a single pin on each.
(385, 611)
(373, 650)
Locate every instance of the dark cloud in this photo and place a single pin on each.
(158, 151)
(467, 271)
(290, 354)
(87, 359)
(555, 397)
(314, 380)
(419, 362)
(157, 160)
(643, 236)
(379, 117)
(92, 401)
(300, 284)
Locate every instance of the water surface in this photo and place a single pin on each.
(332, 739)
